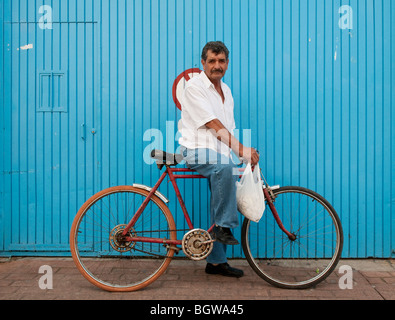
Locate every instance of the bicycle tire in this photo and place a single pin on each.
(299, 263)
(109, 263)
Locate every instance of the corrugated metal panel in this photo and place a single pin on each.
(318, 99)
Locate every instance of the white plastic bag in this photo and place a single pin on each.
(249, 194)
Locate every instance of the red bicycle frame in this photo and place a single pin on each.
(174, 174)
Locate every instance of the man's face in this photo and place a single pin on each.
(215, 66)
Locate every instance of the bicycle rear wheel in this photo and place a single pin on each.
(302, 262)
(97, 247)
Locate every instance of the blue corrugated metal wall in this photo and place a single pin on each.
(313, 80)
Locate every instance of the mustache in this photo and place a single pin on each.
(217, 70)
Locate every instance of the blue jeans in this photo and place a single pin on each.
(219, 170)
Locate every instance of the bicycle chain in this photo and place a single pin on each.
(154, 254)
(162, 230)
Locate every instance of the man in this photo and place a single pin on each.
(207, 124)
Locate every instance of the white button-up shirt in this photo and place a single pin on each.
(201, 103)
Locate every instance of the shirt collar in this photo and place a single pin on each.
(206, 80)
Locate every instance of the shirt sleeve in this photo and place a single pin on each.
(197, 106)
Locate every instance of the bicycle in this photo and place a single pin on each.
(124, 238)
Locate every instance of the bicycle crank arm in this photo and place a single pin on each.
(207, 242)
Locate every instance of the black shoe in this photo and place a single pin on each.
(224, 269)
(225, 236)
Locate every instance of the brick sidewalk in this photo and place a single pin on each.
(186, 280)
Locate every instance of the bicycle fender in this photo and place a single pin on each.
(157, 193)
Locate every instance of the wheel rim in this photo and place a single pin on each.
(106, 260)
(305, 261)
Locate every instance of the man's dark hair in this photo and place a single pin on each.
(216, 47)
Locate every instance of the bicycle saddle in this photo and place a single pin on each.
(164, 158)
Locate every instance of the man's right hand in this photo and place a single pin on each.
(250, 155)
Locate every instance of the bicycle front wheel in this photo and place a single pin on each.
(98, 248)
(307, 259)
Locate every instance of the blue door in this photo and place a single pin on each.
(50, 56)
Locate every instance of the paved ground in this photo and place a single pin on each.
(186, 280)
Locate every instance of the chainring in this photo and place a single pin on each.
(197, 244)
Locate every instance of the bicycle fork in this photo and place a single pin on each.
(270, 199)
